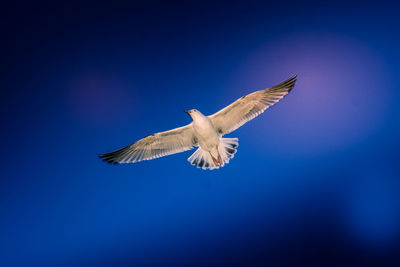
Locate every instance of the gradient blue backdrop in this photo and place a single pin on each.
(315, 180)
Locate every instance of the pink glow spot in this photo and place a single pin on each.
(340, 97)
(100, 100)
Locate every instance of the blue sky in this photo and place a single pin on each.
(315, 179)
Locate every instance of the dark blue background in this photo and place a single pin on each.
(315, 180)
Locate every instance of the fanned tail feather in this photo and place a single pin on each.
(226, 149)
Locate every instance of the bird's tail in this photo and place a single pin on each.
(226, 150)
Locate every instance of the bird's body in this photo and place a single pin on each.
(205, 132)
(207, 137)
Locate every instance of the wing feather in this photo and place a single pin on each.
(249, 106)
(154, 146)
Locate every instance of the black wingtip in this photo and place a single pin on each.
(288, 84)
(291, 82)
(108, 157)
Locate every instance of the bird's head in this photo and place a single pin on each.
(193, 113)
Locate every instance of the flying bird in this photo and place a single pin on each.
(204, 132)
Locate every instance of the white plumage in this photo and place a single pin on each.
(205, 132)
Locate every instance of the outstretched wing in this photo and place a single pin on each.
(249, 106)
(154, 146)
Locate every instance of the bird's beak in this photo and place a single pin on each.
(187, 111)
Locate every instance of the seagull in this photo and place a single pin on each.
(204, 132)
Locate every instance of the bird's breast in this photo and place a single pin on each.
(206, 134)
